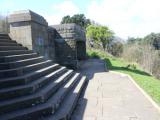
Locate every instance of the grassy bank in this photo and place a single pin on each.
(150, 84)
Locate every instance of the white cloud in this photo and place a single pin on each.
(127, 17)
(60, 10)
(66, 8)
(53, 19)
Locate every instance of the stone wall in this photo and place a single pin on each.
(29, 29)
(67, 41)
(51, 43)
(65, 44)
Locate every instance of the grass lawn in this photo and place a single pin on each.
(149, 83)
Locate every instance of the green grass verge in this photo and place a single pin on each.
(146, 81)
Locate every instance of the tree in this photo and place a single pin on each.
(116, 48)
(100, 34)
(79, 19)
(153, 39)
(132, 40)
(66, 19)
(144, 51)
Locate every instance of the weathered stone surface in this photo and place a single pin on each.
(71, 31)
(30, 29)
(34, 88)
(51, 43)
(62, 43)
(70, 44)
(26, 15)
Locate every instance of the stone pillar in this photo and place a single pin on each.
(66, 44)
(30, 30)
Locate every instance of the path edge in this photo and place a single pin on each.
(141, 90)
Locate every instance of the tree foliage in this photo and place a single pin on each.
(146, 52)
(116, 48)
(79, 19)
(99, 34)
(153, 39)
(132, 40)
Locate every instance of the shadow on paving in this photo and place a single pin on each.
(88, 68)
(91, 66)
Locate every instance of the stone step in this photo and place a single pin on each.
(66, 109)
(49, 107)
(4, 36)
(29, 77)
(34, 99)
(8, 48)
(8, 93)
(9, 44)
(21, 63)
(15, 52)
(24, 69)
(33, 88)
(12, 58)
(7, 41)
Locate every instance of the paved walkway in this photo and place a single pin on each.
(110, 96)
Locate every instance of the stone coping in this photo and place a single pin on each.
(69, 26)
(26, 15)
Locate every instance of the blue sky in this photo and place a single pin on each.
(43, 7)
(135, 18)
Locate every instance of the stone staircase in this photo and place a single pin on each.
(34, 88)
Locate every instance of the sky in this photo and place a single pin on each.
(127, 18)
